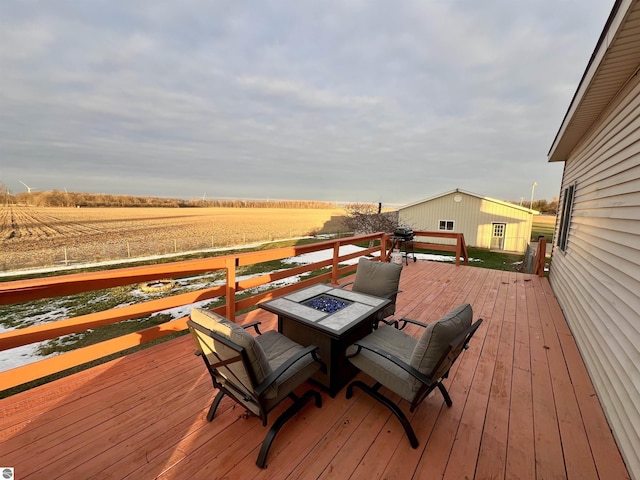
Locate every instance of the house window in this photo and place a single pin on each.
(446, 225)
(565, 220)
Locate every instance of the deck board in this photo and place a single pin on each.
(523, 407)
(521, 442)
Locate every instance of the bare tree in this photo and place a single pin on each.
(5, 194)
(363, 218)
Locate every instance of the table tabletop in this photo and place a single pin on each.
(357, 306)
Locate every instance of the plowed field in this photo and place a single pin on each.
(38, 237)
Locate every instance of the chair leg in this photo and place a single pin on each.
(214, 406)
(445, 394)
(373, 391)
(282, 419)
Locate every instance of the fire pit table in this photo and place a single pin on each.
(332, 319)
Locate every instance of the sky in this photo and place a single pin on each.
(346, 101)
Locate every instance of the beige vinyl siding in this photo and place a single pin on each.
(474, 216)
(597, 278)
(427, 216)
(518, 231)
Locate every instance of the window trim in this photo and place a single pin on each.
(502, 239)
(568, 198)
(446, 224)
(493, 229)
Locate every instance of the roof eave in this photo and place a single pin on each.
(564, 142)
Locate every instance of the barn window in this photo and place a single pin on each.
(446, 225)
(565, 220)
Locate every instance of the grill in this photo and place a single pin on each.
(403, 234)
(403, 239)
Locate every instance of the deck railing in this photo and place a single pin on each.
(42, 288)
(460, 248)
(50, 287)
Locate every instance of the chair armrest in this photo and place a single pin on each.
(254, 325)
(271, 379)
(391, 323)
(406, 321)
(363, 344)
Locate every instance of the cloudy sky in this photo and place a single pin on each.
(347, 100)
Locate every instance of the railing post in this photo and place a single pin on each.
(384, 255)
(230, 291)
(541, 253)
(458, 249)
(465, 252)
(334, 267)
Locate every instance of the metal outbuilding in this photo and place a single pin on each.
(485, 222)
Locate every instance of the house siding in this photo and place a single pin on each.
(474, 217)
(597, 278)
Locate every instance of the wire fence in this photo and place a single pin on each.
(87, 252)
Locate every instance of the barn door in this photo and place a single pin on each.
(497, 237)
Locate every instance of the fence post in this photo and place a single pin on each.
(230, 291)
(334, 267)
(541, 254)
(384, 255)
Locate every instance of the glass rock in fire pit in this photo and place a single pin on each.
(327, 303)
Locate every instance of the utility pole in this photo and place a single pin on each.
(533, 187)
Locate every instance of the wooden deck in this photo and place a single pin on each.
(523, 407)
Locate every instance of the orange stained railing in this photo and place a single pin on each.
(43, 288)
(541, 254)
(460, 248)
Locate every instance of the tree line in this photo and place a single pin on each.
(56, 198)
(542, 206)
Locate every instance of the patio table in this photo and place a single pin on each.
(330, 318)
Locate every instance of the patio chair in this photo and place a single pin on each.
(257, 372)
(412, 367)
(380, 279)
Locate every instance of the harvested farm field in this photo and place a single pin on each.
(33, 237)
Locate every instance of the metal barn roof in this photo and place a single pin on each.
(482, 197)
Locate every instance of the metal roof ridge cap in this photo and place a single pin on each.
(481, 197)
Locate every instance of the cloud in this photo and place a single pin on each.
(303, 95)
(350, 100)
